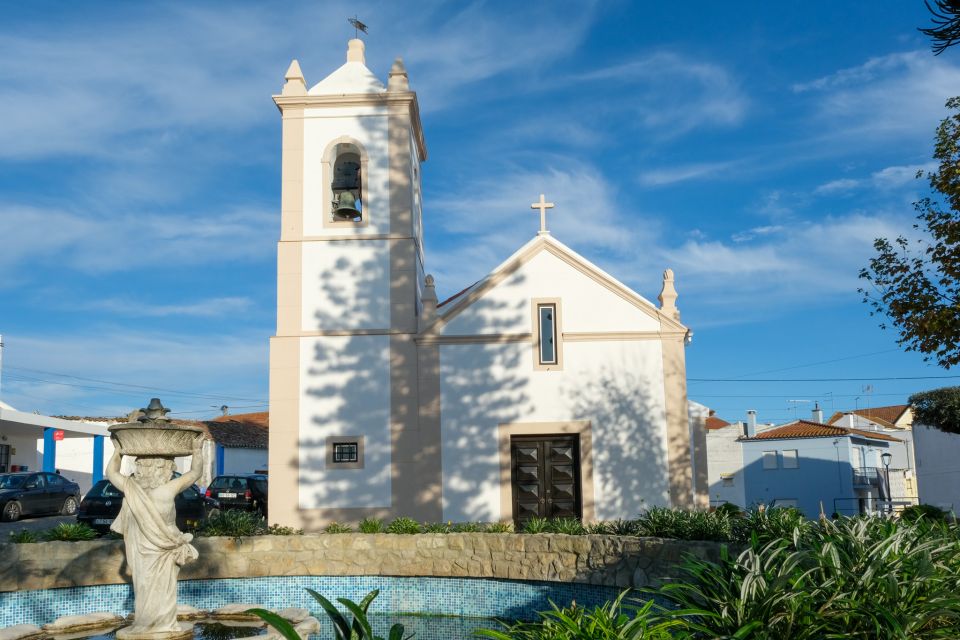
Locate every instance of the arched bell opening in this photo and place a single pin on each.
(346, 185)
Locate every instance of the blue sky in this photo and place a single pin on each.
(756, 150)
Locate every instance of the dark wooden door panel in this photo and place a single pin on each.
(545, 473)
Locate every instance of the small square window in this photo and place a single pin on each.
(769, 459)
(345, 452)
(790, 460)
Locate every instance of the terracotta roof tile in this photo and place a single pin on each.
(882, 415)
(807, 429)
(241, 431)
(714, 423)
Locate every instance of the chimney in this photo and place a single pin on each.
(817, 413)
(750, 428)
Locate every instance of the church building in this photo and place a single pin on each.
(548, 388)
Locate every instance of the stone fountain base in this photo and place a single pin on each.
(131, 633)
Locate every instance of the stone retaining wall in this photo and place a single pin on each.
(600, 560)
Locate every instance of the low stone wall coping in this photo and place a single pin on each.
(613, 561)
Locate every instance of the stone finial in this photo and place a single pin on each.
(295, 85)
(668, 296)
(429, 300)
(154, 412)
(398, 79)
(355, 50)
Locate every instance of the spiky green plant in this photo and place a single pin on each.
(70, 532)
(404, 525)
(371, 525)
(760, 526)
(684, 525)
(500, 527)
(24, 536)
(436, 527)
(281, 530)
(336, 527)
(535, 525)
(569, 526)
(357, 628)
(233, 523)
(467, 527)
(612, 621)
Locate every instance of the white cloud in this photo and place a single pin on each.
(893, 177)
(673, 94)
(230, 369)
(99, 244)
(681, 173)
(843, 185)
(212, 308)
(893, 96)
(749, 234)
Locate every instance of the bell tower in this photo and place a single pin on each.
(343, 362)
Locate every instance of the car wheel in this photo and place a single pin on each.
(12, 511)
(69, 507)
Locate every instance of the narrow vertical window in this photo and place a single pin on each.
(548, 333)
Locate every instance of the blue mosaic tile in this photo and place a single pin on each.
(466, 597)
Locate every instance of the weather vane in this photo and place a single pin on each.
(357, 26)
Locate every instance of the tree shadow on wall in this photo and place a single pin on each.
(629, 460)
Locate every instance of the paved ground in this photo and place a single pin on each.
(33, 524)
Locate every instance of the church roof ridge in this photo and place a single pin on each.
(521, 256)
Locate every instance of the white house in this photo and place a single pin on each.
(548, 388)
(938, 466)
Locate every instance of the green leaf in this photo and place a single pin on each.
(280, 624)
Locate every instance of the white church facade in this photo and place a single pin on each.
(548, 388)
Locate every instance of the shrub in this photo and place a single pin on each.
(436, 527)
(234, 524)
(854, 578)
(70, 532)
(535, 525)
(468, 527)
(569, 526)
(336, 527)
(500, 527)
(612, 621)
(371, 525)
(925, 511)
(760, 526)
(684, 525)
(404, 525)
(730, 509)
(281, 530)
(23, 536)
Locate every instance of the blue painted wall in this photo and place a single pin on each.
(823, 473)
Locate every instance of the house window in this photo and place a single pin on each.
(790, 460)
(345, 452)
(769, 459)
(548, 332)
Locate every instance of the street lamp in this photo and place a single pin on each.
(886, 457)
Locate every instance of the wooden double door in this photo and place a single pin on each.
(545, 473)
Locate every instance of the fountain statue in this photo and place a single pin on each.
(155, 548)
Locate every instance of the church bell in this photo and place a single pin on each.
(346, 206)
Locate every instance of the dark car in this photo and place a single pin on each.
(102, 503)
(36, 493)
(247, 492)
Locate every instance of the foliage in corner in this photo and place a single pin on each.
(946, 20)
(939, 408)
(357, 628)
(916, 283)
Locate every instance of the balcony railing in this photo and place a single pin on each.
(866, 476)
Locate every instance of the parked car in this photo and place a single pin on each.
(37, 493)
(247, 492)
(102, 503)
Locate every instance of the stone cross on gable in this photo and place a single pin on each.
(543, 205)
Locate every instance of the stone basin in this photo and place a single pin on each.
(154, 439)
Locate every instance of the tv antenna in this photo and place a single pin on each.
(357, 26)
